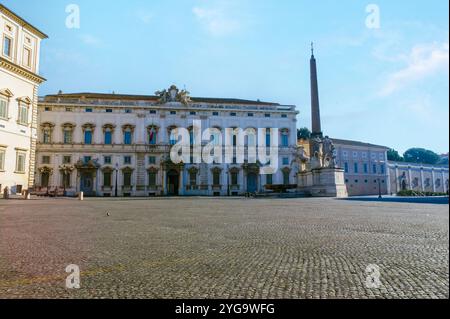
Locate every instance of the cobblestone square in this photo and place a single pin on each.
(223, 248)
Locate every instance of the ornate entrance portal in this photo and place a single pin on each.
(87, 174)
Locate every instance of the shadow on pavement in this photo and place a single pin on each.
(393, 199)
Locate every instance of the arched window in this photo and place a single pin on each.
(47, 132)
(173, 135)
(152, 134)
(193, 172)
(128, 134)
(216, 136)
(250, 136)
(216, 172)
(88, 131)
(285, 138)
(68, 129)
(108, 132)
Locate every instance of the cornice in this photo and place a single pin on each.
(23, 23)
(14, 68)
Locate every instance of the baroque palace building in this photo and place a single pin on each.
(19, 83)
(111, 144)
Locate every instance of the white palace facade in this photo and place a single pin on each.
(118, 145)
(20, 44)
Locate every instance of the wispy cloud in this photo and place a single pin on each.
(217, 20)
(90, 40)
(423, 61)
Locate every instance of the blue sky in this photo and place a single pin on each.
(385, 86)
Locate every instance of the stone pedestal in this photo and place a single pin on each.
(323, 182)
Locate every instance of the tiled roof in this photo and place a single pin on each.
(356, 143)
(109, 96)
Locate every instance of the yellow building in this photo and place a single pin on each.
(19, 83)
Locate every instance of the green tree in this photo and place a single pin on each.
(303, 133)
(394, 156)
(443, 161)
(421, 156)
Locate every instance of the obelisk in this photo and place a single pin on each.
(316, 127)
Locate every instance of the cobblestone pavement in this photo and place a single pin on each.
(223, 248)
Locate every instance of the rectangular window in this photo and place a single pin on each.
(366, 168)
(67, 160)
(374, 168)
(67, 136)
(234, 178)
(215, 114)
(269, 179)
(45, 159)
(216, 178)
(283, 116)
(88, 137)
(128, 111)
(286, 178)
(152, 179)
(68, 109)
(127, 179)
(356, 167)
(7, 46)
(285, 160)
(23, 114)
(193, 178)
(20, 163)
(284, 140)
(88, 110)
(233, 114)
(3, 109)
(2, 159)
(87, 159)
(267, 115)
(107, 178)
(27, 57)
(152, 111)
(250, 114)
(346, 167)
(108, 137)
(127, 138)
(152, 160)
(107, 159)
(382, 168)
(127, 160)
(65, 180)
(193, 113)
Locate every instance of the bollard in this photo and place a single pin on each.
(81, 196)
(27, 195)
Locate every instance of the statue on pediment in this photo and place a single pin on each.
(173, 94)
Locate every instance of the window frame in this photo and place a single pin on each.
(20, 154)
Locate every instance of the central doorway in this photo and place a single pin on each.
(173, 183)
(87, 184)
(252, 183)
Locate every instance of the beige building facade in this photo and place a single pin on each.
(19, 83)
(110, 144)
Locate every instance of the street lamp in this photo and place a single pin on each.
(117, 173)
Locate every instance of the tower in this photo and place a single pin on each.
(316, 127)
